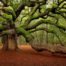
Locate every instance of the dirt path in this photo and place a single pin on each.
(29, 57)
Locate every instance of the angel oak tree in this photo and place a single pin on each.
(45, 8)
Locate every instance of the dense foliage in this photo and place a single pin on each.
(24, 17)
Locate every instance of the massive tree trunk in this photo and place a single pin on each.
(12, 42)
(9, 42)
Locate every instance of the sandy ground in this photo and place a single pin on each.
(29, 57)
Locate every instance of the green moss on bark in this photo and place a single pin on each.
(23, 32)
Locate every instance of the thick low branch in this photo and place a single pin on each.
(51, 48)
(41, 21)
(23, 32)
(48, 31)
(7, 32)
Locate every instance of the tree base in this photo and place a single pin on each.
(9, 42)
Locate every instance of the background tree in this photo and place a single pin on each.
(38, 11)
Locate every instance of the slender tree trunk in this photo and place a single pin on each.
(9, 42)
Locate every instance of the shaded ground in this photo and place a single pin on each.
(29, 57)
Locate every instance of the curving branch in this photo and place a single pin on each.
(19, 9)
(62, 3)
(46, 12)
(9, 10)
(23, 32)
(61, 14)
(31, 4)
(35, 8)
(48, 31)
(33, 18)
(43, 21)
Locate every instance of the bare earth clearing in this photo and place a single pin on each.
(29, 57)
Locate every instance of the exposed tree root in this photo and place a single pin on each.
(50, 48)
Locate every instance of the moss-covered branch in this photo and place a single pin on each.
(50, 48)
(27, 3)
(48, 31)
(62, 4)
(41, 21)
(47, 8)
(9, 10)
(23, 32)
(35, 8)
(7, 18)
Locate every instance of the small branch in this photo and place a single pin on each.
(4, 2)
(19, 9)
(41, 15)
(31, 4)
(62, 3)
(38, 1)
(36, 7)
